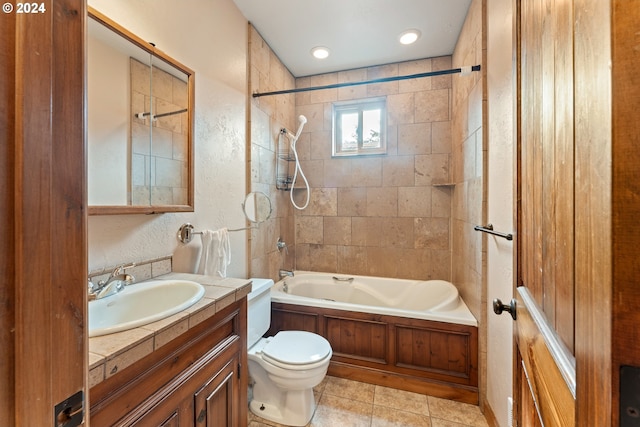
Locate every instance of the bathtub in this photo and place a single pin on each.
(436, 300)
(411, 335)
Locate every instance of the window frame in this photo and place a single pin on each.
(358, 106)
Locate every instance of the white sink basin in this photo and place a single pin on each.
(140, 304)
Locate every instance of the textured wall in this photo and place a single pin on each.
(210, 37)
(379, 215)
(500, 160)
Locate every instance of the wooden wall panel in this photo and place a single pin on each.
(563, 182)
(546, 250)
(293, 321)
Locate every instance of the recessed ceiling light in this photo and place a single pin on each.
(320, 52)
(409, 36)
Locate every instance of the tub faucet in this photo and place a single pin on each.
(115, 283)
(285, 273)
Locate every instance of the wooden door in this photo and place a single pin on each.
(43, 221)
(544, 330)
(216, 402)
(577, 246)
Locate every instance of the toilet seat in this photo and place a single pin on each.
(296, 350)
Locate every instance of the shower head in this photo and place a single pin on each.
(302, 119)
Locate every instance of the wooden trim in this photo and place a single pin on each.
(49, 207)
(7, 218)
(547, 364)
(625, 190)
(489, 415)
(593, 213)
(143, 44)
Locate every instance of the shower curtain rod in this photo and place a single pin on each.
(464, 70)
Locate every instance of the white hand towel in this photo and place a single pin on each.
(216, 253)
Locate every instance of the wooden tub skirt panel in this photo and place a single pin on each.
(423, 356)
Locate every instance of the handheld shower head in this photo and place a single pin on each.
(302, 119)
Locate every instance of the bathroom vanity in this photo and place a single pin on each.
(186, 370)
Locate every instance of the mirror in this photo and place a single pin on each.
(140, 124)
(257, 207)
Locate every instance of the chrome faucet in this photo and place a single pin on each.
(115, 283)
(285, 273)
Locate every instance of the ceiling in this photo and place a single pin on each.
(359, 33)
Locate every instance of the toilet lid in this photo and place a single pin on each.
(296, 348)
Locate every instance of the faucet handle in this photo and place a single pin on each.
(121, 268)
(281, 244)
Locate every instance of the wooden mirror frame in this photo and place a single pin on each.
(148, 47)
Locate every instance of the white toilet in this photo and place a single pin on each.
(283, 368)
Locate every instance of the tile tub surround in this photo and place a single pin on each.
(109, 354)
(344, 402)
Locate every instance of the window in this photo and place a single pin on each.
(359, 127)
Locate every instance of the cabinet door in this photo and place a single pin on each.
(216, 401)
(168, 414)
(173, 421)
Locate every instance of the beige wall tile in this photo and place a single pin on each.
(337, 173)
(352, 201)
(313, 171)
(432, 233)
(320, 145)
(382, 201)
(337, 230)
(414, 201)
(352, 259)
(366, 171)
(432, 169)
(401, 109)
(441, 82)
(309, 229)
(162, 84)
(396, 232)
(324, 95)
(432, 106)
(320, 258)
(414, 139)
(352, 92)
(441, 202)
(359, 231)
(383, 262)
(323, 201)
(398, 171)
(415, 67)
(441, 137)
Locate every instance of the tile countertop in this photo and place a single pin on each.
(111, 353)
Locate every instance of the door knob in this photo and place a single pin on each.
(499, 307)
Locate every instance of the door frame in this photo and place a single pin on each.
(45, 270)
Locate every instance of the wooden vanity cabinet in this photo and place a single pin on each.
(198, 379)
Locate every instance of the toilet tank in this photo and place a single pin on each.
(258, 309)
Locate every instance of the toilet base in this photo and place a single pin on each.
(297, 410)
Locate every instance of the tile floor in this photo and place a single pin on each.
(345, 403)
